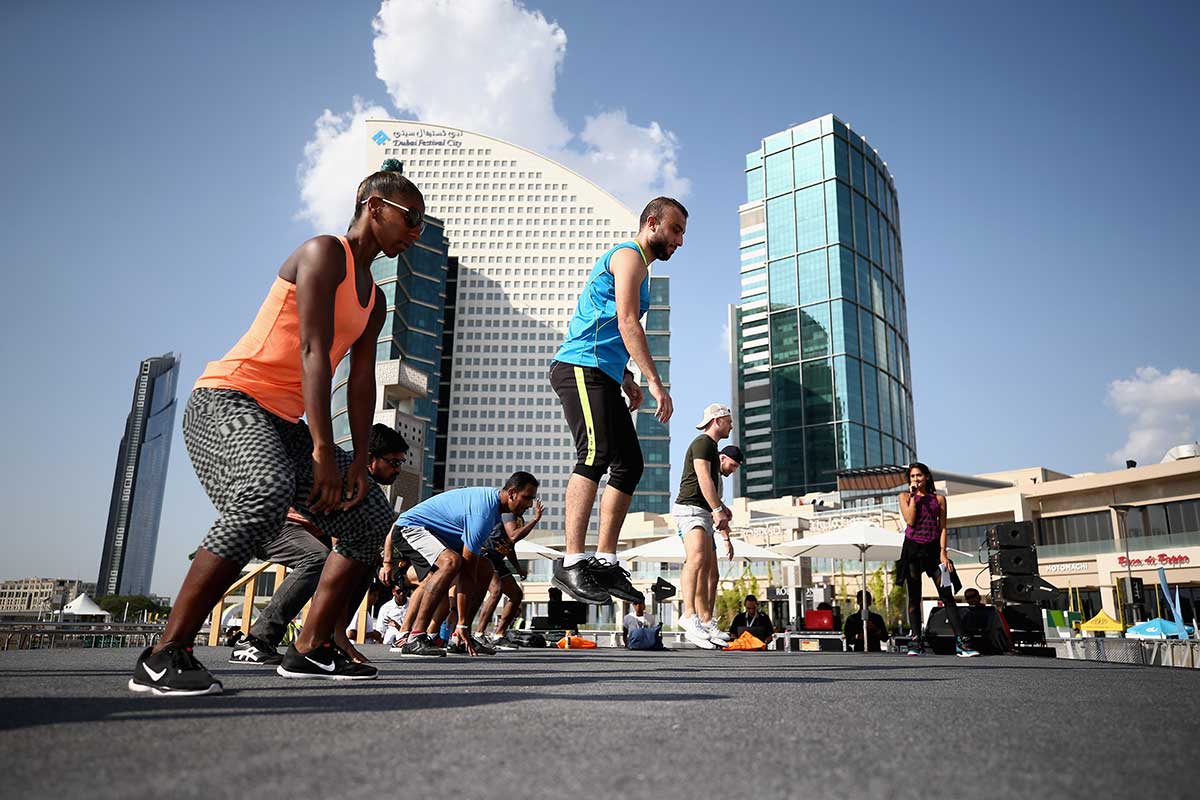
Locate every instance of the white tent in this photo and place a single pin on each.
(84, 609)
(670, 549)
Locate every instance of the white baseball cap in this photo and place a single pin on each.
(714, 411)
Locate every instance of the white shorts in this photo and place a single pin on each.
(690, 517)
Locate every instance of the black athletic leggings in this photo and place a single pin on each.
(912, 584)
(605, 436)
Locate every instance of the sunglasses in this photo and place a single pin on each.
(395, 462)
(412, 218)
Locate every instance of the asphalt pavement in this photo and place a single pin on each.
(605, 723)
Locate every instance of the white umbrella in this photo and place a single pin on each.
(860, 540)
(670, 548)
(527, 549)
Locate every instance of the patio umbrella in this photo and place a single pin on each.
(670, 548)
(861, 541)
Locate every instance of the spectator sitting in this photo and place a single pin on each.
(391, 614)
(753, 620)
(637, 618)
(877, 631)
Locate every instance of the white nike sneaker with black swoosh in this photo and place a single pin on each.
(328, 662)
(172, 671)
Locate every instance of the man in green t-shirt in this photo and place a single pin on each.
(698, 513)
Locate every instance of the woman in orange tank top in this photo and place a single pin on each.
(256, 458)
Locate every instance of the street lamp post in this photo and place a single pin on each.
(1122, 510)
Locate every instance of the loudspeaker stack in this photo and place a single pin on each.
(1016, 587)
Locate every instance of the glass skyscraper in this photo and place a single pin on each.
(408, 357)
(654, 491)
(820, 337)
(131, 537)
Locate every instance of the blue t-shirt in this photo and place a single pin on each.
(458, 518)
(593, 338)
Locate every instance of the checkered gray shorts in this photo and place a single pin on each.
(254, 465)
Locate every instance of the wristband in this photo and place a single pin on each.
(456, 627)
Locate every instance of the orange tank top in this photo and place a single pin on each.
(265, 363)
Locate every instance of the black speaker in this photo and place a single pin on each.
(1010, 534)
(1024, 617)
(1013, 561)
(566, 614)
(662, 590)
(1022, 589)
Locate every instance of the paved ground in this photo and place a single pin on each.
(606, 723)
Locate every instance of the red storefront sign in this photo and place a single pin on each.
(1160, 560)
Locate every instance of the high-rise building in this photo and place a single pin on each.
(408, 358)
(525, 231)
(131, 538)
(819, 340)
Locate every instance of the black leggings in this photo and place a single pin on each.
(912, 583)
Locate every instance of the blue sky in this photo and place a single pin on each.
(1044, 157)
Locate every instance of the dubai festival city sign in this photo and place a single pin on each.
(420, 137)
(1160, 560)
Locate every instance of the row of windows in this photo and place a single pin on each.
(825, 390)
(824, 274)
(820, 330)
(826, 214)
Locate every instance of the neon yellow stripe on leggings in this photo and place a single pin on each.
(581, 387)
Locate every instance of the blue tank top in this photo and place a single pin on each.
(593, 339)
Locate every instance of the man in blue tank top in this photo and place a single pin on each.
(588, 374)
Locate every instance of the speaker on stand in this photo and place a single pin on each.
(1017, 589)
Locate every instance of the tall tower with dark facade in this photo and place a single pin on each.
(131, 538)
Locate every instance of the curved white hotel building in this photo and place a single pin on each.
(525, 231)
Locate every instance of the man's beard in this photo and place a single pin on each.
(382, 482)
(659, 248)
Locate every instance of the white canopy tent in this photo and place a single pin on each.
(84, 609)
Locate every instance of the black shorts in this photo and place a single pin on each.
(504, 568)
(606, 439)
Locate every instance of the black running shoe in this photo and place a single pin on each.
(421, 646)
(580, 582)
(459, 648)
(328, 662)
(172, 671)
(615, 579)
(252, 650)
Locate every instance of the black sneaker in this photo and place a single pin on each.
(172, 671)
(615, 579)
(252, 650)
(580, 582)
(482, 647)
(505, 643)
(328, 662)
(421, 646)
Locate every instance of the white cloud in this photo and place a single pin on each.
(332, 167)
(489, 66)
(1163, 410)
(485, 65)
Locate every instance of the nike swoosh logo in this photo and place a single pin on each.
(326, 667)
(157, 676)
